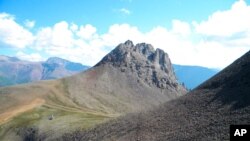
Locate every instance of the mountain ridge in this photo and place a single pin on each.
(192, 76)
(15, 71)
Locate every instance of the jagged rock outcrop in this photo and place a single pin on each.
(130, 78)
(150, 66)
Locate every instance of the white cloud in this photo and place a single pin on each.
(63, 41)
(125, 11)
(226, 23)
(12, 33)
(160, 37)
(29, 23)
(73, 27)
(118, 33)
(61, 35)
(180, 27)
(70, 42)
(57, 37)
(184, 51)
(87, 32)
(29, 57)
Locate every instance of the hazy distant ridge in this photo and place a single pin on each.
(15, 71)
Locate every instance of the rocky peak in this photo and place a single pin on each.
(149, 65)
(129, 43)
(127, 53)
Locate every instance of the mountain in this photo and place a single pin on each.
(192, 76)
(71, 66)
(149, 66)
(15, 71)
(128, 79)
(56, 67)
(131, 78)
(205, 113)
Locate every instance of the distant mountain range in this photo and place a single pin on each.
(192, 76)
(15, 71)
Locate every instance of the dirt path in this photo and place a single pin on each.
(80, 110)
(4, 117)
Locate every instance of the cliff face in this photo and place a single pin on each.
(148, 65)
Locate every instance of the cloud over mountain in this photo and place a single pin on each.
(224, 32)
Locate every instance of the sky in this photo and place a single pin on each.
(203, 33)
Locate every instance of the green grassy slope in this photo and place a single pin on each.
(68, 115)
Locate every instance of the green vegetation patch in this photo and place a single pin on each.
(51, 122)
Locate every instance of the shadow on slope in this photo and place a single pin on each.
(233, 83)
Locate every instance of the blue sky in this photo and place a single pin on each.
(144, 14)
(207, 33)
